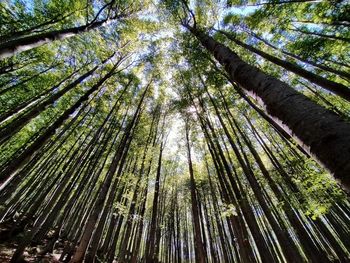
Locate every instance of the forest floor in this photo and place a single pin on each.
(31, 255)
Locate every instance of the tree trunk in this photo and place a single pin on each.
(15, 46)
(15, 163)
(151, 242)
(317, 65)
(117, 161)
(198, 242)
(325, 135)
(332, 86)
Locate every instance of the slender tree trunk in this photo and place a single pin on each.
(151, 242)
(117, 161)
(345, 39)
(332, 86)
(15, 46)
(35, 28)
(2, 91)
(15, 163)
(15, 125)
(22, 106)
(317, 65)
(198, 242)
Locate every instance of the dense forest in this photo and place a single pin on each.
(181, 131)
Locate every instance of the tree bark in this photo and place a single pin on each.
(15, 46)
(198, 242)
(15, 163)
(117, 161)
(317, 65)
(325, 135)
(332, 86)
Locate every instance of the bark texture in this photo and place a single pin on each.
(324, 134)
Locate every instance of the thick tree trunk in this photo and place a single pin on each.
(325, 135)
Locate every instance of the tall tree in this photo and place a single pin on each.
(113, 9)
(299, 115)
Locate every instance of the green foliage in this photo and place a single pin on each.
(186, 89)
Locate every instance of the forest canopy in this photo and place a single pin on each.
(174, 131)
